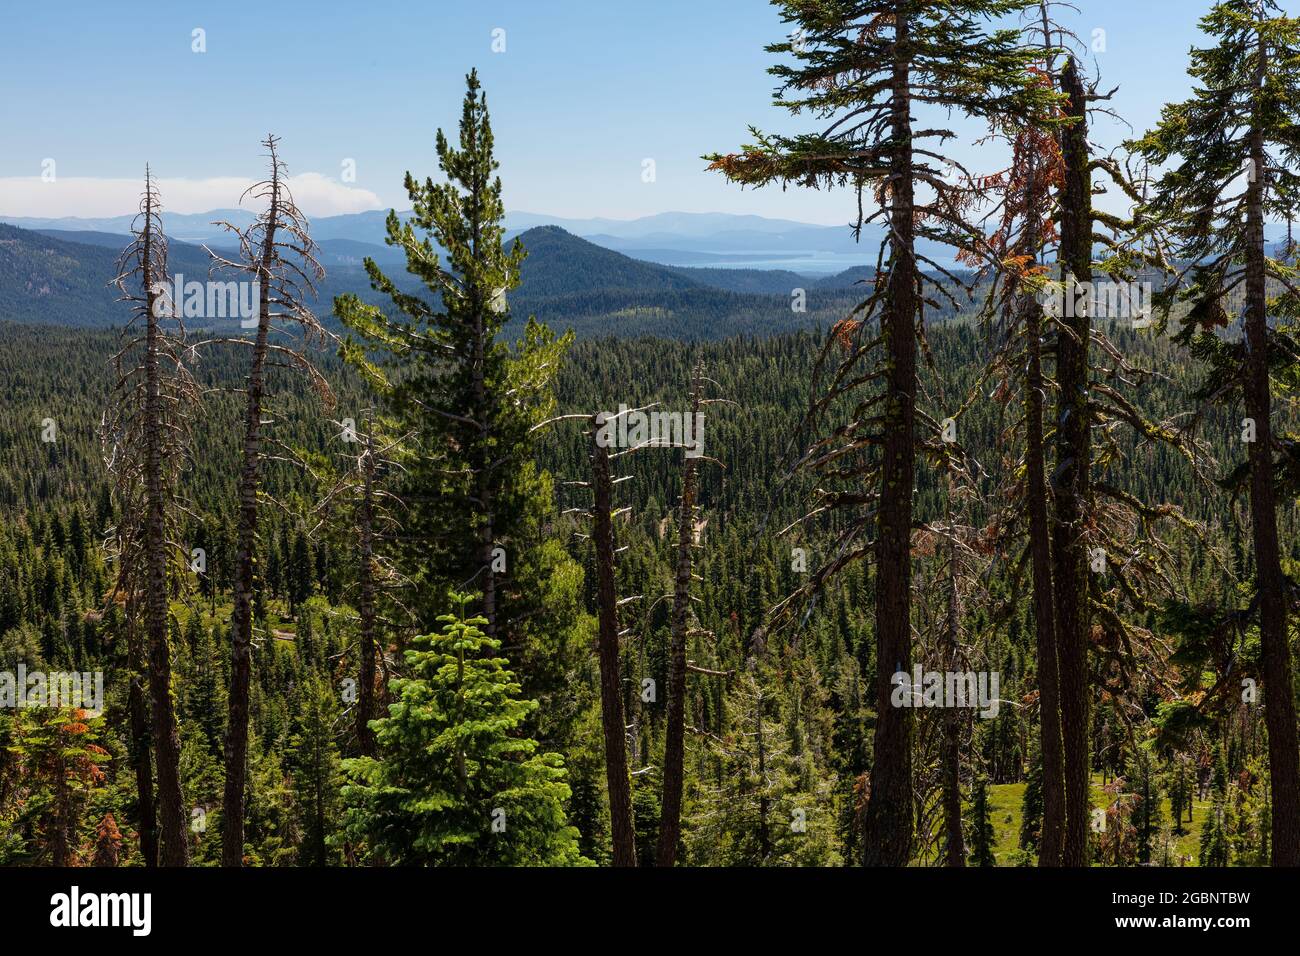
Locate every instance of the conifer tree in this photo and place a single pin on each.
(1024, 225)
(981, 825)
(466, 402)
(1232, 160)
(1148, 817)
(767, 802)
(145, 433)
(314, 762)
(277, 253)
(864, 68)
(680, 630)
(455, 783)
(363, 513)
(1031, 805)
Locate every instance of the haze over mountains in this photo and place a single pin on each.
(672, 238)
(681, 275)
(61, 276)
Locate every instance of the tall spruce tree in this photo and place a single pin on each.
(864, 68)
(467, 402)
(1231, 158)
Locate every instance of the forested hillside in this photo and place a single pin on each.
(514, 550)
(62, 278)
(816, 716)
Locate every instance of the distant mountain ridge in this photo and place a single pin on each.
(62, 277)
(718, 240)
(713, 240)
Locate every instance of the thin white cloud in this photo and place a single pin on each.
(94, 197)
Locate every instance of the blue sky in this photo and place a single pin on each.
(584, 92)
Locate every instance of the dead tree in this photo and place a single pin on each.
(613, 720)
(141, 747)
(955, 721)
(670, 820)
(278, 254)
(146, 439)
(621, 820)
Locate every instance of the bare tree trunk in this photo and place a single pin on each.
(621, 823)
(1072, 478)
(1052, 836)
(140, 748)
(1279, 691)
(166, 737)
(950, 752)
(670, 819)
(232, 837)
(282, 286)
(366, 676)
(888, 826)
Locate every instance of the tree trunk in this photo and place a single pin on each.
(484, 487)
(366, 675)
(950, 748)
(1279, 691)
(166, 738)
(1052, 832)
(670, 819)
(232, 837)
(888, 825)
(1072, 479)
(621, 823)
(1049, 703)
(950, 759)
(140, 748)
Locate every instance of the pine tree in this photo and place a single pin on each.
(1243, 124)
(1148, 817)
(54, 761)
(455, 784)
(679, 631)
(360, 512)
(467, 403)
(1031, 805)
(313, 759)
(1024, 218)
(981, 825)
(863, 68)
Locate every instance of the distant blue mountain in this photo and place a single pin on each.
(715, 240)
(719, 240)
(62, 277)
